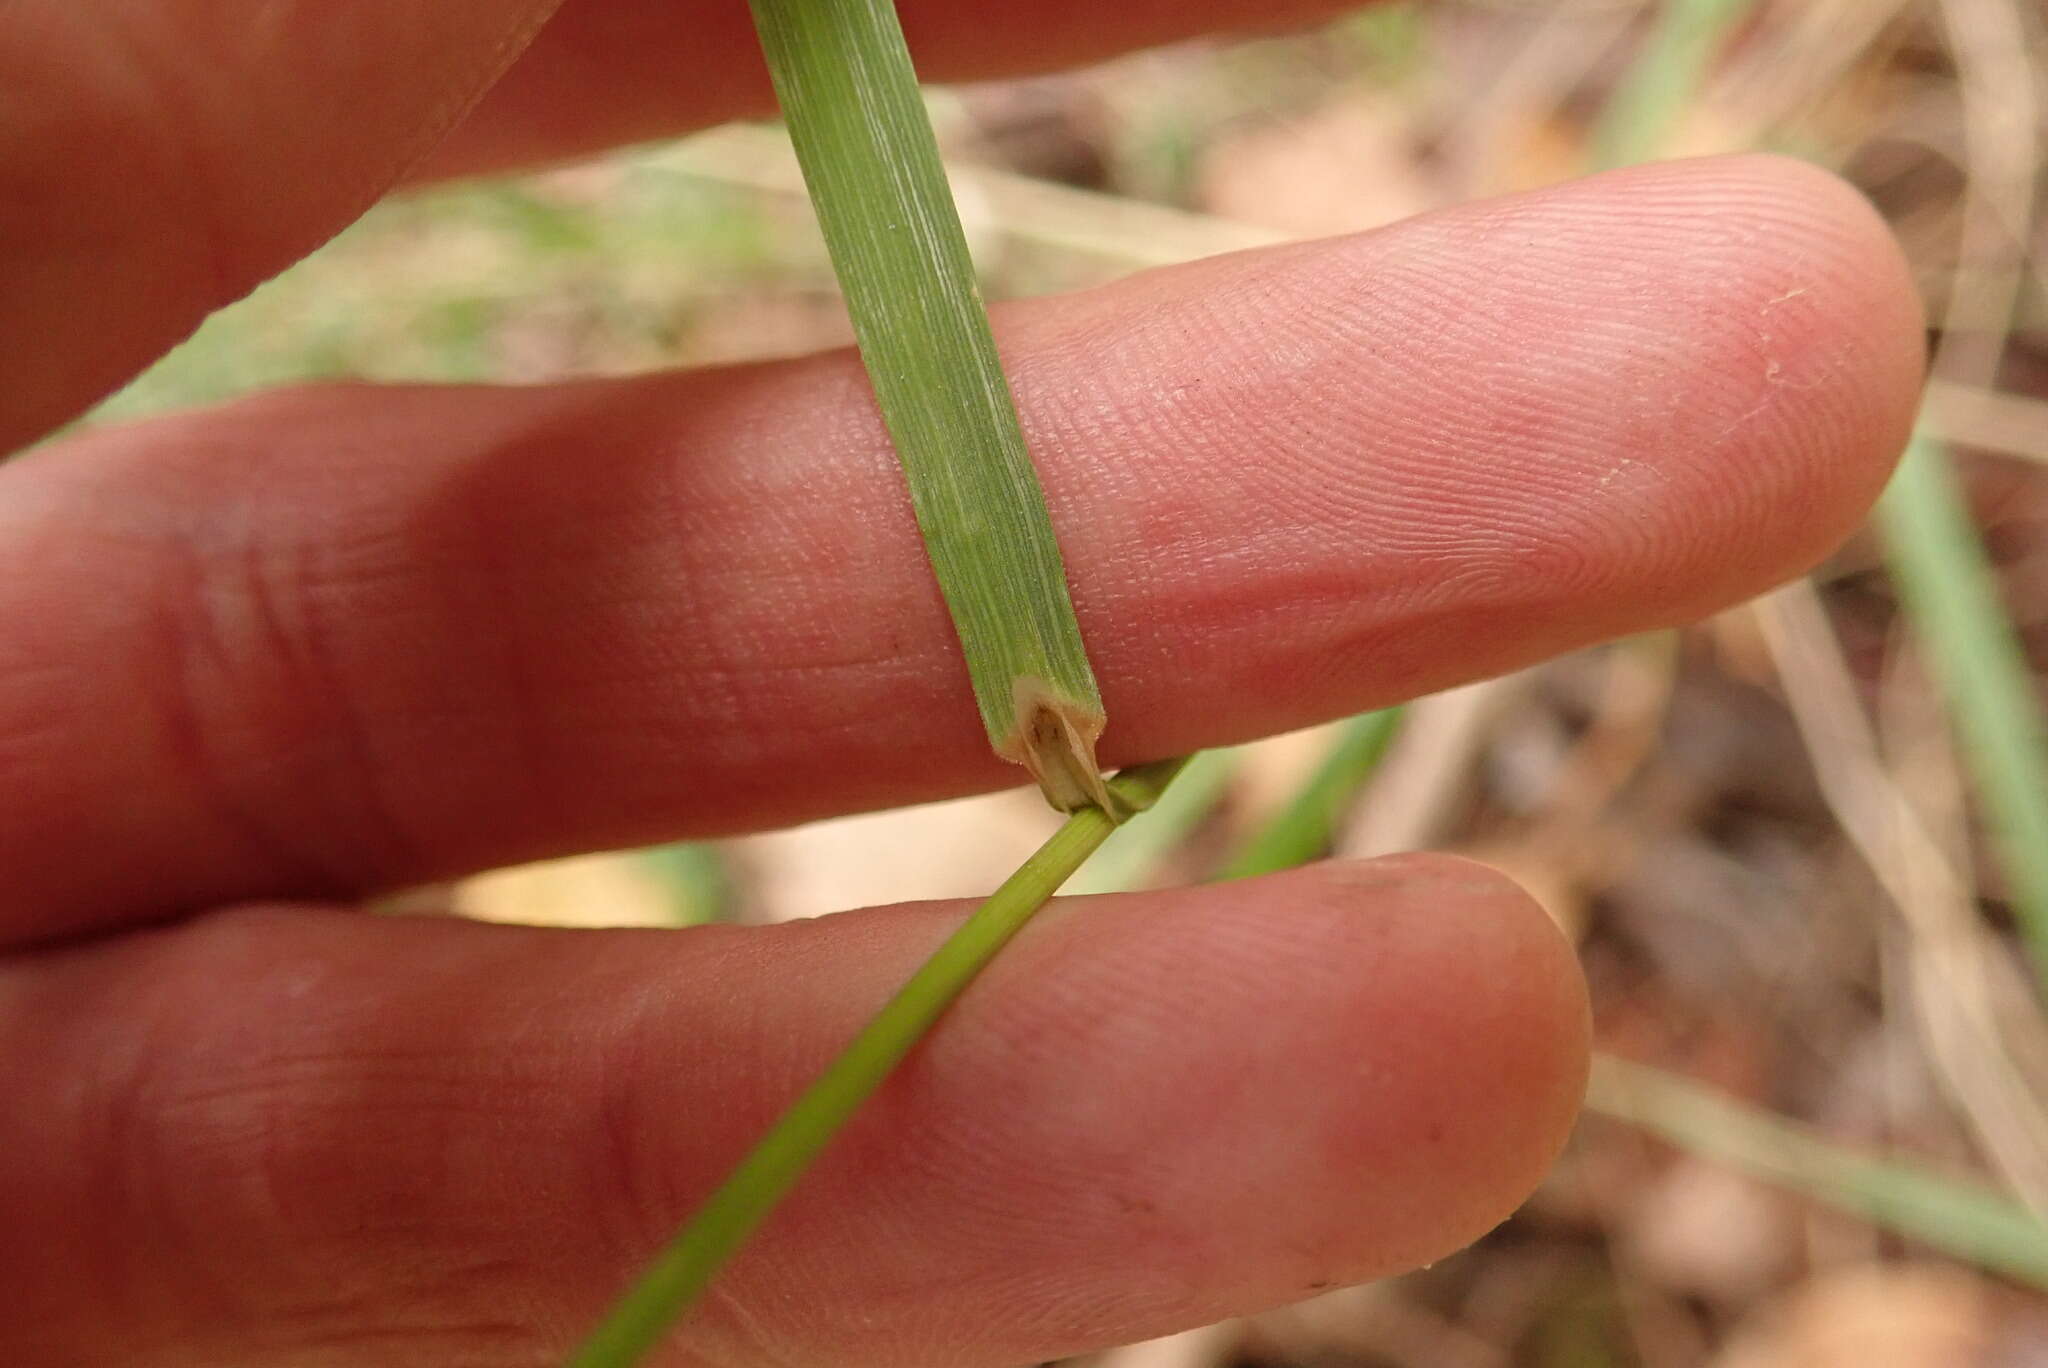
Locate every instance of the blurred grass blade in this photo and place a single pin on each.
(864, 141)
(675, 1280)
(1132, 856)
(1951, 601)
(1303, 829)
(694, 875)
(1965, 1220)
(1660, 84)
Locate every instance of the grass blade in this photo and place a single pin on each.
(869, 158)
(1644, 110)
(1950, 598)
(675, 1280)
(694, 873)
(1302, 830)
(1962, 1219)
(1131, 856)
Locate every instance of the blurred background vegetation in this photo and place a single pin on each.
(1802, 847)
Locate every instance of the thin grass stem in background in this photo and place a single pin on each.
(1647, 107)
(1091, 224)
(1131, 857)
(1965, 1220)
(871, 162)
(1304, 827)
(683, 1270)
(1950, 599)
(694, 876)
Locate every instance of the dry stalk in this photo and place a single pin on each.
(1958, 969)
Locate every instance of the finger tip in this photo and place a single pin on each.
(1452, 1067)
(1227, 1098)
(1502, 1040)
(1520, 426)
(1871, 327)
(1793, 308)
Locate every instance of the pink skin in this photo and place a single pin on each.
(333, 640)
(302, 1132)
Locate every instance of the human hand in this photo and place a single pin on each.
(283, 653)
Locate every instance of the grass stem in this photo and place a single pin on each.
(682, 1271)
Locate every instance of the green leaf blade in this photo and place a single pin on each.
(1302, 829)
(871, 162)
